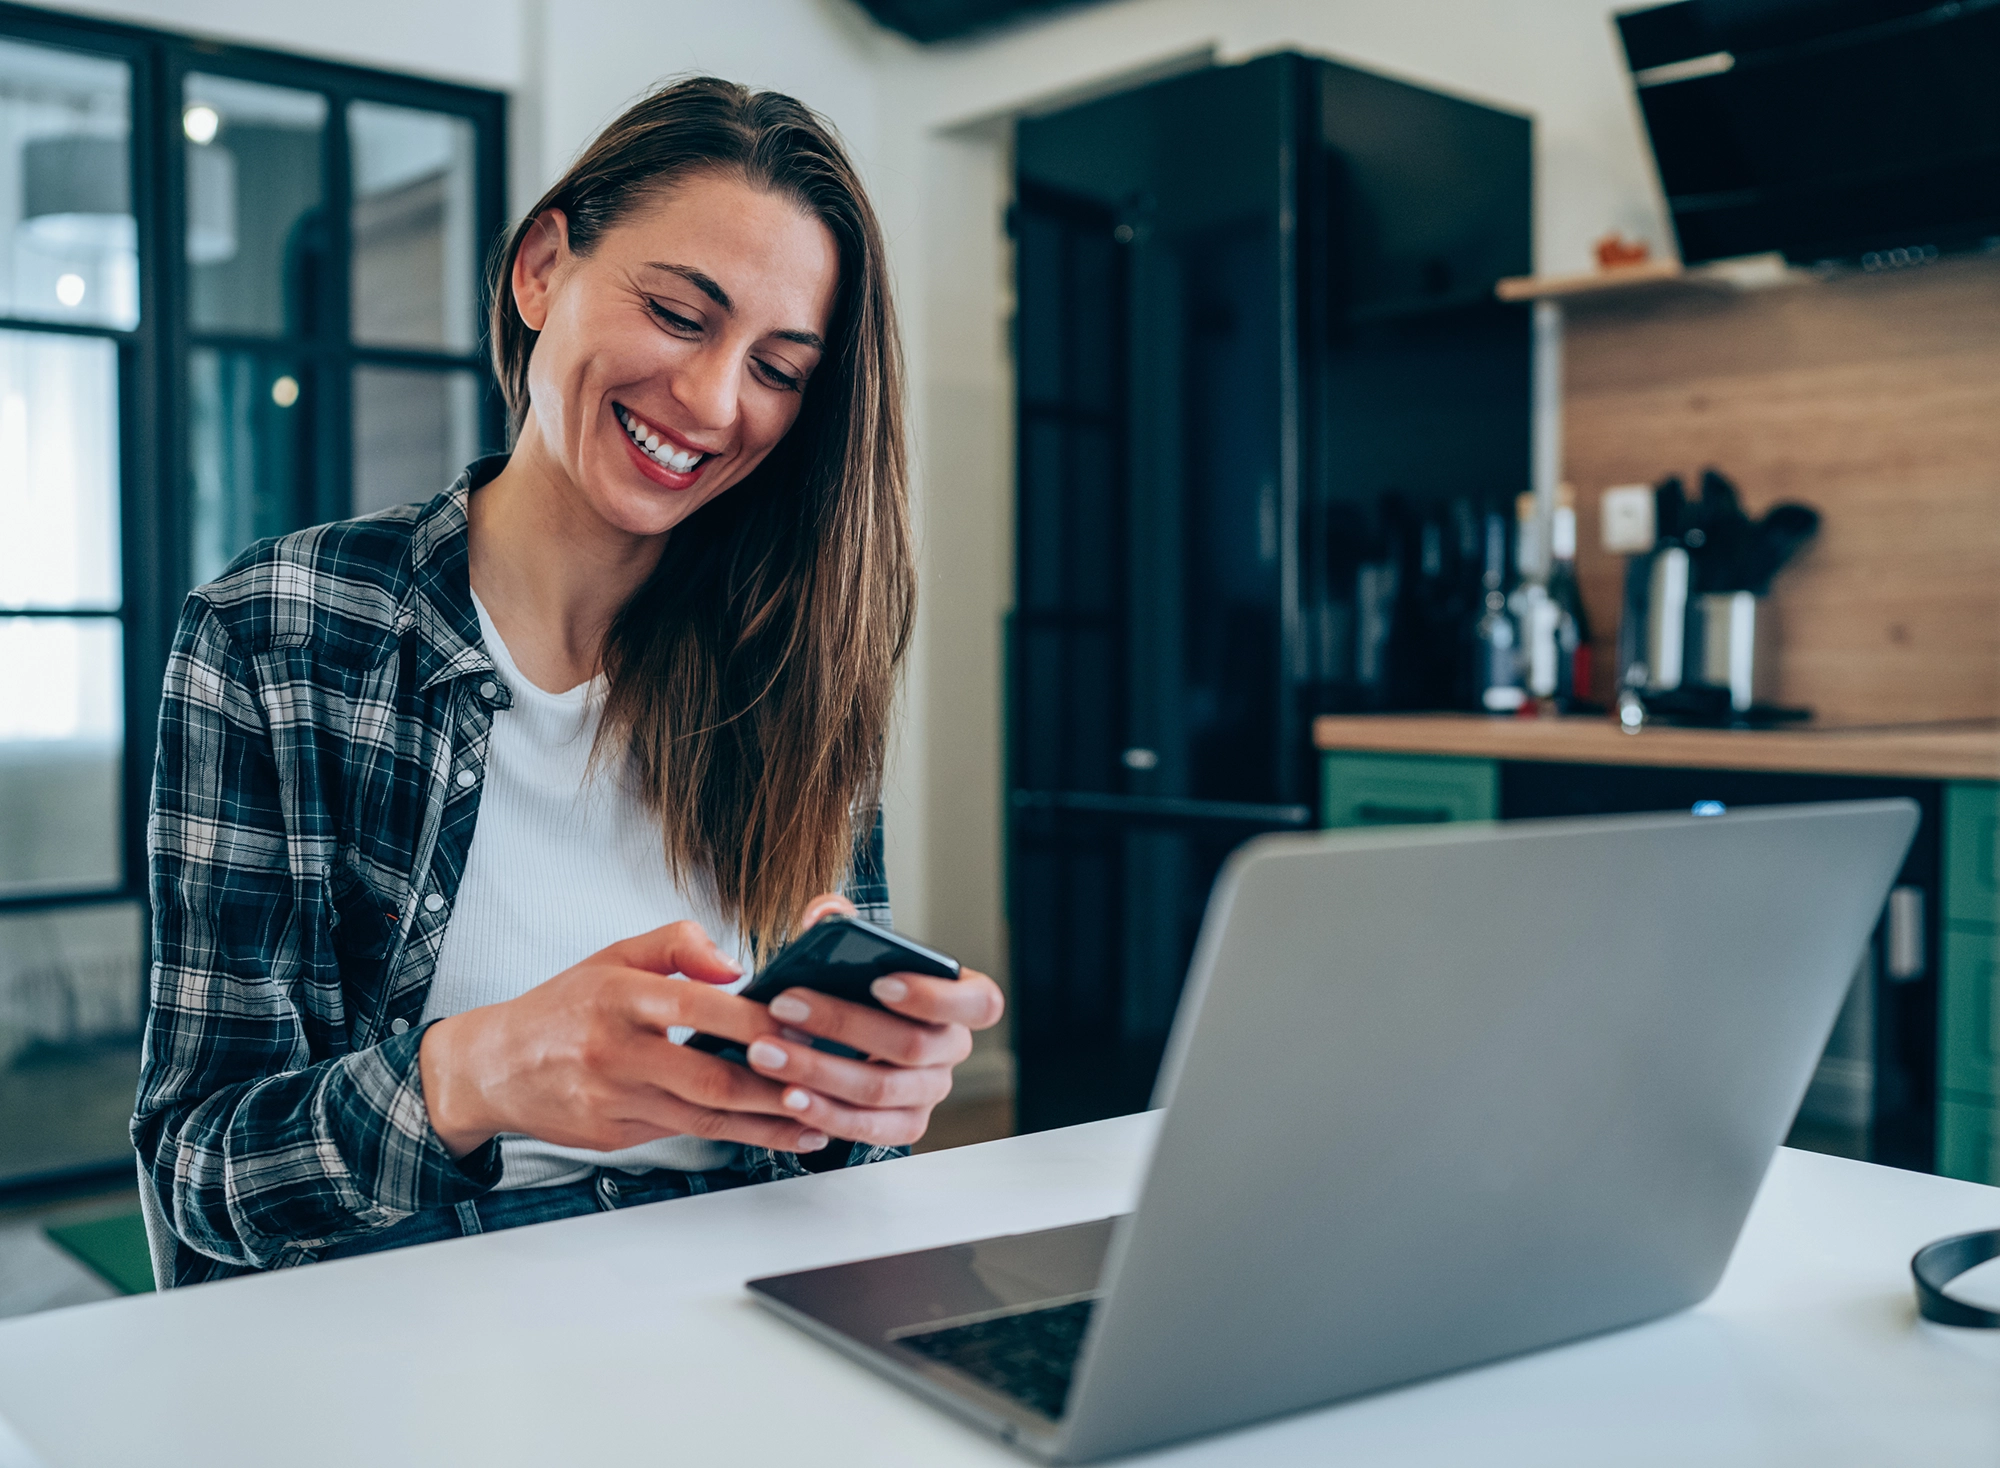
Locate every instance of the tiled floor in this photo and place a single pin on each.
(34, 1273)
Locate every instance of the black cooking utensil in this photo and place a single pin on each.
(1726, 535)
(1780, 535)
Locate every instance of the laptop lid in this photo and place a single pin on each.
(1436, 1097)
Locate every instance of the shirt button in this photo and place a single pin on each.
(466, 779)
(399, 1026)
(433, 903)
(489, 690)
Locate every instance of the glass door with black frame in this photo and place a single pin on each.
(239, 294)
(71, 929)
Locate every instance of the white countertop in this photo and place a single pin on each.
(626, 1338)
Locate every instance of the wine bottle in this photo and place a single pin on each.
(1496, 640)
(1573, 623)
(1535, 615)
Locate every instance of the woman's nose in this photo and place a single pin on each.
(706, 387)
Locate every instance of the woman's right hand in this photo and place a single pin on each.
(583, 1060)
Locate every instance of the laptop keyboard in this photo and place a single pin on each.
(1028, 1356)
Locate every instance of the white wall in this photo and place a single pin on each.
(474, 41)
(598, 55)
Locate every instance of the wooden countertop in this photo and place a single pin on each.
(1921, 752)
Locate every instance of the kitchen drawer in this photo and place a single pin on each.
(1401, 790)
(1971, 845)
(1968, 1143)
(1968, 1017)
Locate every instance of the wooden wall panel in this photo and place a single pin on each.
(1873, 398)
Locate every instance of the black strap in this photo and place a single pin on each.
(1937, 1265)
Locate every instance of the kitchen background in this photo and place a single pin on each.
(1873, 396)
(1867, 394)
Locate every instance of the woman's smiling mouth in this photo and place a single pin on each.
(657, 448)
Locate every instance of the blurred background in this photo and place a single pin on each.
(1270, 363)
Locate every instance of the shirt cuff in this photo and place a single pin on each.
(396, 1154)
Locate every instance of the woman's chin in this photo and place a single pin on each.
(637, 506)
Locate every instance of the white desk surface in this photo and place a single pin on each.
(626, 1338)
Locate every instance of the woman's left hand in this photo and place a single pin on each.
(924, 1029)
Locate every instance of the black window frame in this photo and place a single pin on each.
(155, 470)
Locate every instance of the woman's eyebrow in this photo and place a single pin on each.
(700, 280)
(710, 287)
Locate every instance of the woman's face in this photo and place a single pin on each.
(674, 356)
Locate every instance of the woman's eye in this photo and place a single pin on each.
(783, 381)
(672, 320)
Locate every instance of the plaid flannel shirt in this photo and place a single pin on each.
(327, 698)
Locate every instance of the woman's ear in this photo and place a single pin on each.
(545, 246)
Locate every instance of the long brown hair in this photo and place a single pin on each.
(751, 676)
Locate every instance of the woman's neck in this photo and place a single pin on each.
(551, 573)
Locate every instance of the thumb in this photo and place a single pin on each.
(679, 948)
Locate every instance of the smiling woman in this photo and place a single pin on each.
(454, 799)
(654, 358)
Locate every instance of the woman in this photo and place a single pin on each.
(454, 801)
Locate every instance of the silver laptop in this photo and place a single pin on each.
(1433, 1097)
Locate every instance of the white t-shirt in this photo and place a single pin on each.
(564, 861)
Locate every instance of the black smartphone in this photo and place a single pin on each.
(840, 956)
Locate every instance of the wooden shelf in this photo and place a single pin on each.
(1621, 277)
(1934, 752)
(1751, 272)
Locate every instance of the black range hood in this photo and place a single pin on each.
(1825, 129)
(948, 20)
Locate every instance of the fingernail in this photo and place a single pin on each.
(812, 1141)
(797, 1100)
(889, 991)
(791, 1009)
(766, 1056)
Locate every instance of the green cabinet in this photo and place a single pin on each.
(1971, 842)
(1968, 981)
(1968, 1047)
(1968, 1140)
(1404, 790)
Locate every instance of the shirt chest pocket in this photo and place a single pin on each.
(364, 921)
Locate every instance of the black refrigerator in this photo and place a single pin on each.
(1256, 339)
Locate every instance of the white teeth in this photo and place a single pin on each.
(662, 454)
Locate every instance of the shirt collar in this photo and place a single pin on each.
(438, 607)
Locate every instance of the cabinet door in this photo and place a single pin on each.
(1971, 843)
(1968, 1140)
(1405, 790)
(1968, 1016)
(1968, 1045)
